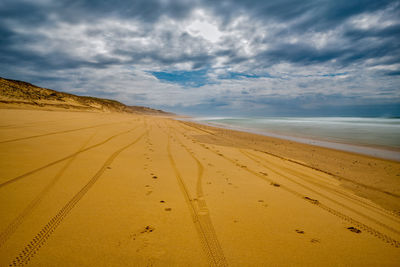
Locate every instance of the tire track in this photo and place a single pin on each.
(309, 179)
(204, 218)
(12, 227)
(186, 124)
(59, 132)
(317, 203)
(30, 124)
(15, 179)
(322, 195)
(23, 125)
(200, 217)
(391, 214)
(40, 239)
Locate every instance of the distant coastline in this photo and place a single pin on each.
(387, 149)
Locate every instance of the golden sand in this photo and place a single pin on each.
(109, 189)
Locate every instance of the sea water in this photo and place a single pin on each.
(372, 136)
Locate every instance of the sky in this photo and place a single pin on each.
(211, 58)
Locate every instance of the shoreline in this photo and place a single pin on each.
(358, 172)
(377, 151)
(163, 192)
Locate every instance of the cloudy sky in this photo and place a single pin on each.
(239, 57)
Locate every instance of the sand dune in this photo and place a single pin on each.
(115, 189)
(19, 94)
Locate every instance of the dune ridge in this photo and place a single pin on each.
(14, 94)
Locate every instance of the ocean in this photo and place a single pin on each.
(378, 137)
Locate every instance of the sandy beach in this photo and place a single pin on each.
(116, 189)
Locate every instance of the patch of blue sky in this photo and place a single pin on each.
(334, 74)
(195, 78)
(238, 76)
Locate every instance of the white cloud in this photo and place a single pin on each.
(203, 25)
(113, 56)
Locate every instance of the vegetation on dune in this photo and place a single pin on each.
(26, 94)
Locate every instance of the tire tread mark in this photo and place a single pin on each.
(339, 193)
(59, 132)
(324, 196)
(391, 213)
(204, 218)
(308, 166)
(12, 227)
(365, 227)
(30, 124)
(214, 257)
(13, 180)
(39, 240)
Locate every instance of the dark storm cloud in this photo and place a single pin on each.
(51, 42)
(298, 53)
(314, 14)
(391, 32)
(301, 17)
(146, 10)
(392, 73)
(27, 13)
(317, 16)
(360, 50)
(37, 12)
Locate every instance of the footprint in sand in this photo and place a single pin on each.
(148, 229)
(314, 201)
(355, 230)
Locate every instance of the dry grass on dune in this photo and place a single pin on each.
(19, 94)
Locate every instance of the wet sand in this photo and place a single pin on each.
(109, 189)
(377, 151)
